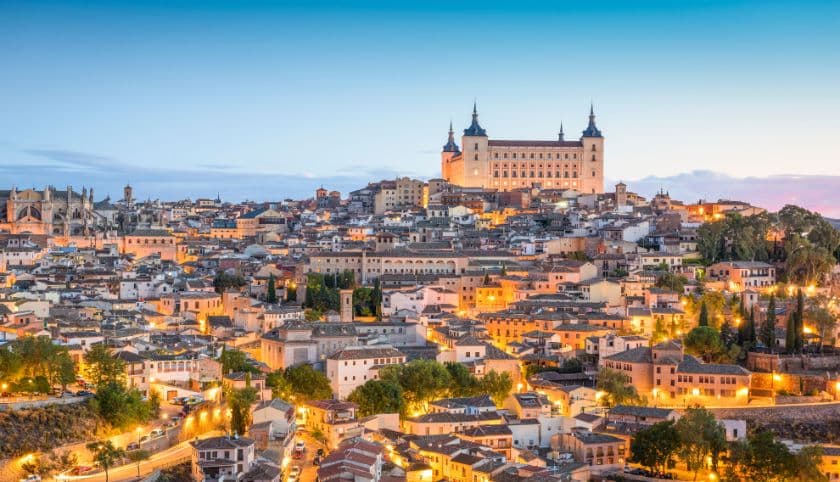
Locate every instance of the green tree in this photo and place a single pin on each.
(307, 383)
(376, 299)
(819, 313)
(421, 380)
(710, 241)
(704, 342)
(672, 281)
(760, 458)
(121, 407)
(617, 388)
(700, 436)
(806, 264)
(63, 371)
(464, 383)
(102, 367)
(768, 329)
(239, 402)
(808, 465)
(497, 385)
(280, 387)
(105, 454)
(138, 456)
(653, 447)
(703, 320)
(224, 281)
(271, 292)
(234, 360)
(377, 396)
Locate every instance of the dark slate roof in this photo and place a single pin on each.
(633, 411)
(475, 129)
(634, 355)
(693, 365)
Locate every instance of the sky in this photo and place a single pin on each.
(267, 100)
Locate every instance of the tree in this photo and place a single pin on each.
(138, 456)
(768, 329)
(376, 299)
(653, 447)
(464, 383)
(102, 367)
(63, 372)
(617, 388)
(703, 320)
(271, 292)
(703, 341)
(280, 387)
(105, 454)
(819, 313)
(761, 458)
(307, 383)
(421, 380)
(224, 281)
(234, 360)
(700, 436)
(121, 407)
(808, 465)
(710, 241)
(239, 402)
(672, 281)
(806, 264)
(497, 385)
(377, 396)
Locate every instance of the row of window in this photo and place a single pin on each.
(539, 174)
(538, 156)
(154, 241)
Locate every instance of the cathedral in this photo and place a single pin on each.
(54, 212)
(512, 164)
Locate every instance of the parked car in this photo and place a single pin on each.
(132, 446)
(316, 460)
(157, 433)
(300, 445)
(320, 451)
(294, 474)
(84, 393)
(81, 469)
(32, 478)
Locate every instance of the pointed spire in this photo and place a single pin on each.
(561, 135)
(592, 130)
(450, 145)
(475, 129)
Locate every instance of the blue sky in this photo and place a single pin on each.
(269, 99)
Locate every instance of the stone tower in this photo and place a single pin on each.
(620, 194)
(592, 167)
(346, 312)
(475, 145)
(450, 150)
(127, 194)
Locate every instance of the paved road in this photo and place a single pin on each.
(309, 471)
(129, 472)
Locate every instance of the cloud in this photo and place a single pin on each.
(74, 160)
(817, 193)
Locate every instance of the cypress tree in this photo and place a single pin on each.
(271, 295)
(768, 329)
(703, 320)
(751, 326)
(790, 335)
(800, 318)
